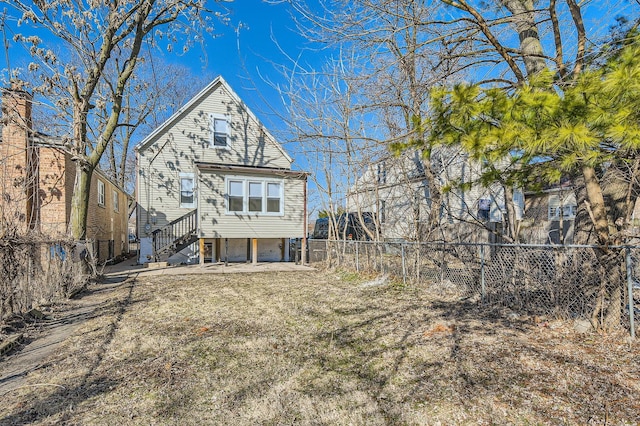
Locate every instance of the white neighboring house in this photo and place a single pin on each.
(213, 184)
(397, 190)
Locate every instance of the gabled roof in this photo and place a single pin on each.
(197, 98)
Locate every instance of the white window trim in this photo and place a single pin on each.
(193, 178)
(561, 205)
(212, 118)
(245, 195)
(116, 201)
(101, 193)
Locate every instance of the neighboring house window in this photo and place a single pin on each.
(484, 208)
(219, 131)
(383, 211)
(100, 193)
(518, 203)
(116, 201)
(254, 196)
(187, 190)
(382, 173)
(562, 206)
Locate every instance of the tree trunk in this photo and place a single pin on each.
(511, 213)
(524, 20)
(608, 310)
(80, 202)
(596, 206)
(607, 314)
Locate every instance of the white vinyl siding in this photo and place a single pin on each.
(187, 139)
(218, 222)
(192, 134)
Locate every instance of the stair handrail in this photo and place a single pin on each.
(173, 232)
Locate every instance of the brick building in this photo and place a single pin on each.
(36, 184)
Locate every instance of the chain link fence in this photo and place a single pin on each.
(563, 282)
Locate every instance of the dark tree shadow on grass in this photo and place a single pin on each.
(44, 405)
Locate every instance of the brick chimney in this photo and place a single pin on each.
(18, 161)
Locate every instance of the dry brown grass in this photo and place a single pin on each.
(323, 348)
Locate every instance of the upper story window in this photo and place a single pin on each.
(219, 131)
(187, 190)
(254, 195)
(116, 201)
(101, 197)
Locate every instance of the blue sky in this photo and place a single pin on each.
(241, 52)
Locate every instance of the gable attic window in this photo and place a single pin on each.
(187, 192)
(219, 131)
(100, 193)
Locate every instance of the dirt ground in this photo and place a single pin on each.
(319, 348)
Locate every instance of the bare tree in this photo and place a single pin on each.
(155, 92)
(89, 46)
(387, 59)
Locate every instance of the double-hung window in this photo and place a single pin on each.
(254, 195)
(187, 190)
(562, 205)
(219, 131)
(274, 197)
(101, 197)
(235, 195)
(116, 201)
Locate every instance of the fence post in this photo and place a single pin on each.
(357, 258)
(404, 268)
(630, 292)
(418, 245)
(482, 282)
(444, 247)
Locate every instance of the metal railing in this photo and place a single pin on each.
(564, 282)
(174, 233)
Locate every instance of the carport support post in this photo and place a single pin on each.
(254, 251)
(201, 251)
(632, 325)
(226, 252)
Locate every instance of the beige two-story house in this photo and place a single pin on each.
(215, 185)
